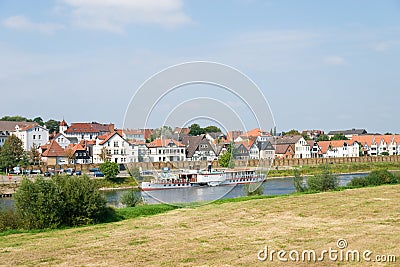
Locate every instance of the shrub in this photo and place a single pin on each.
(298, 181)
(378, 177)
(324, 181)
(59, 201)
(9, 219)
(254, 189)
(110, 169)
(131, 198)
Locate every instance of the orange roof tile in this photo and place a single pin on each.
(54, 150)
(164, 142)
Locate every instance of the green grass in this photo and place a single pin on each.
(117, 182)
(144, 210)
(338, 168)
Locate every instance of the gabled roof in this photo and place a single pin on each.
(265, 145)
(63, 123)
(192, 143)
(53, 149)
(288, 139)
(179, 130)
(256, 132)
(282, 149)
(164, 142)
(107, 137)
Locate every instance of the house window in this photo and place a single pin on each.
(91, 136)
(34, 137)
(115, 144)
(40, 137)
(83, 136)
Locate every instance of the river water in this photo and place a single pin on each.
(277, 186)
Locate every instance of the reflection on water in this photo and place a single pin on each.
(279, 186)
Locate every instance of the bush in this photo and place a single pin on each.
(322, 182)
(9, 219)
(131, 198)
(378, 177)
(254, 189)
(59, 201)
(110, 169)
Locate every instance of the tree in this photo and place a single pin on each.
(323, 137)
(323, 182)
(12, 152)
(298, 181)
(275, 131)
(104, 155)
(195, 130)
(34, 156)
(14, 118)
(161, 132)
(131, 198)
(339, 137)
(24, 161)
(292, 132)
(226, 159)
(39, 121)
(109, 169)
(212, 129)
(52, 125)
(305, 136)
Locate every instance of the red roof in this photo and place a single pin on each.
(107, 137)
(164, 142)
(54, 150)
(94, 127)
(63, 123)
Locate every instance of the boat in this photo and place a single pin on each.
(201, 178)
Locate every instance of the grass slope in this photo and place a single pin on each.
(223, 234)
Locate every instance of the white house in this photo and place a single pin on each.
(139, 151)
(339, 148)
(376, 145)
(161, 150)
(118, 149)
(32, 135)
(301, 147)
(65, 141)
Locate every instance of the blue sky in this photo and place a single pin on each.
(321, 64)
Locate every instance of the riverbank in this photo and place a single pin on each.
(229, 234)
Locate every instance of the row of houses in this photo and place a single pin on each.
(93, 142)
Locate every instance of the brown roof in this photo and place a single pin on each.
(54, 150)
(284, 149)
(288, 139)
(94, 127)
(108, 136)
(63, 123)
(9, 126)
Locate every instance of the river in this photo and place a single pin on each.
(273, 186)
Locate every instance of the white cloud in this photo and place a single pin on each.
(23, 23)
(335, 60)
(115, 15)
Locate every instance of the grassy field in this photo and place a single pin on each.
(223, 234)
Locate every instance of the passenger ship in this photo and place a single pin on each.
(191, 178)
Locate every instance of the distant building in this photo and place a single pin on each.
(312, 134)
(30, 133)
(118, 149)
(163, 150)
(53, 154)
(296, 142)
(377, 145)
(339, 148)
(198, 148)
(85, 131)
(348, 133)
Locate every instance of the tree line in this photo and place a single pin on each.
(51, 124)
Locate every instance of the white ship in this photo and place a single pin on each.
(191, 178)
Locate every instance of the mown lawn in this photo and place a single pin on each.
(223, 234)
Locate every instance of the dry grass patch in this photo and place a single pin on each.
(228, 234)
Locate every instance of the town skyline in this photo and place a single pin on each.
(319, 65)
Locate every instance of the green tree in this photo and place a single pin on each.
(13, 118)
(161, 132)
(52, 125)
(305, 136)
(324, 181)
(195, 130)
(274, 131)
(292, 132)
(226, 159)
(212, 129)
(135, 173)
(110, 169)
(323, 137)
(104, 154)
(39, 121)
(24, 161)
(339, 137)
(11, 153)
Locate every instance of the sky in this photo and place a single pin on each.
(320, 64)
